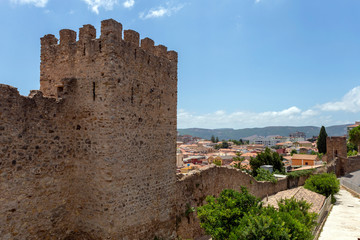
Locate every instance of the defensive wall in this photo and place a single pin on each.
(91, 155)
(192, 189)
(338, 159)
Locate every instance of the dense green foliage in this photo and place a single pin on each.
(238, 216)
(224, 144)
(300, 173)
(294, 151)
(352, 149)
(240, 142)
(265, 175)
(213, 139)
(321, 142)
(326, 184)
(239, 160)
(217, 162)
(219, 216)
(267, 158)
(354, 136)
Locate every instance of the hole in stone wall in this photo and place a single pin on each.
(84, 50)
(132, 95)
(94, 95)
(78, 127)
(60, 91)
(140, 119)
(13, 162)
(100, 46)
(135, 53)
(148, 60)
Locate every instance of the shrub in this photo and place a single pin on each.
(238, 216)
(265, 175)
(326, 184)
(220, 215)
(267, 158)
(300, 173)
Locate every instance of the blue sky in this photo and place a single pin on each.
(242, 63)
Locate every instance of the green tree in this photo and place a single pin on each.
(213, 138)
(265, 175)
(293, 152)
(240, 216)
(239, 160)
(219, 216)
(326, 184)
(224, 144)
(267, 158)
(217, 139)
(321, 142)
(354, 136)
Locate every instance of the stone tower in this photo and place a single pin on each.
(99, 139)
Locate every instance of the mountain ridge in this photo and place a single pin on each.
(231, 133)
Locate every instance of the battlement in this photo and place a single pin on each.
(82, 58)
(111, 34)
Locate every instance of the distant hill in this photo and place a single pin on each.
(230, 133)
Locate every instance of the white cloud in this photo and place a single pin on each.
(36, 3)
(257, 1)
(129, 3)
(349, 103)
(161, 11)
(292, 116)
(96, 4)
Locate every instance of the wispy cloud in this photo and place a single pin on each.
(220, 119)
(349, 103)
(257, 1)
(94, 5)
(36, 3)
(292, 116)
(161, 11)
(129, 3)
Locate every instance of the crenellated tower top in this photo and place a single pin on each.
(68, 58)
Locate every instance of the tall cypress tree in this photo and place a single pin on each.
(321, 142)
(213, 138)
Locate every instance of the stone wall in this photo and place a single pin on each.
(94, 158)
(353, 164)
(191, 191)
(335, 147)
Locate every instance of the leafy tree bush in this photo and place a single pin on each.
(220, 215)
(265, 175)
(300, 173)
(239, 160)
(321, 142)
(212, 139)
(224, 144)
(267, 158)
(354, 136)
(326, 184)
(351, 147)
(293, 152)
(238, 216)
(217, 162)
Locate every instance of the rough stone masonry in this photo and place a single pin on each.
(92, 154)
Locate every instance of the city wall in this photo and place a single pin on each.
(192, 189)
(91, 155)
